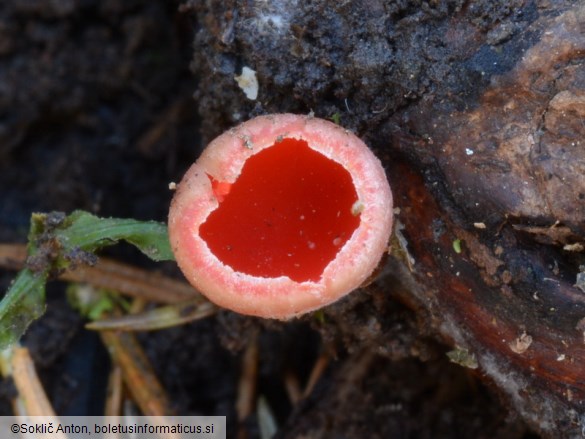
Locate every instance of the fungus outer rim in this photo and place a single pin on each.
(280, 297)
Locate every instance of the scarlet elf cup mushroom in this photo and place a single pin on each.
(280, 216)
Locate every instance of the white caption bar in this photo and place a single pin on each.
(112, 427)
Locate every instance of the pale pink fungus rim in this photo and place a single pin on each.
(280, 298)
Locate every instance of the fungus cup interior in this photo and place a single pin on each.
(288, 213)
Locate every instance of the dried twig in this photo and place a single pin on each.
(115, 393)
(158, 318)
(318, 370)
(293, 387)
(137, 372)
(30, 389)
(249, 377)
(112, 275)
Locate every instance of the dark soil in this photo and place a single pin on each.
(103, 103)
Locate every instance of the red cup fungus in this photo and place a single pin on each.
(280, 216)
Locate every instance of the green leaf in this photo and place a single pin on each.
(58, 242)
(23, 303)
(88, 232)
(90, 302)
(457, 246)
(463, 357)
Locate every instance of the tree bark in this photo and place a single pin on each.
(477, 111)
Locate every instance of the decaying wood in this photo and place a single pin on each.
(516, 163)
(477, 111)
